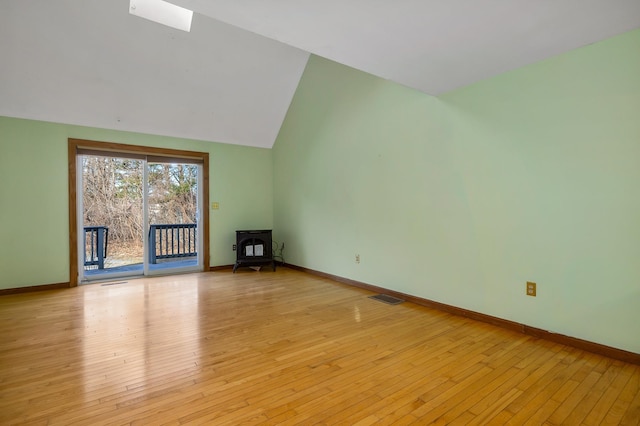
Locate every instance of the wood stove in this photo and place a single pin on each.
(253, 248)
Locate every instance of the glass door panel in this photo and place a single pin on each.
(111, 235)
(172, 212)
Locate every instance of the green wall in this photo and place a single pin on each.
(34, 217)
(529, 176)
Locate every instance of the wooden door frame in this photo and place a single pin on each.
(115, 148)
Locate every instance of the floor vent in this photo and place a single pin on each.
(119, 282)
(387, 299)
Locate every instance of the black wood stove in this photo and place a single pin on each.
(253, 248)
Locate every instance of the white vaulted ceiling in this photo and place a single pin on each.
(430, 45)
(232, 78)
(90, 62)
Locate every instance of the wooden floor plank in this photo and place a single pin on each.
(632, 415)
(284, 347)
(590, 400)
(606, 401)
(622, 403)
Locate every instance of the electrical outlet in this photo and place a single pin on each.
(531, 289)
(357, 258)
(234, 247)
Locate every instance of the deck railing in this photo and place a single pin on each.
(172, 241)
(166, 241)
(96, 242)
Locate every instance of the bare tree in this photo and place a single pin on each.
(113, 194)
(173, 193)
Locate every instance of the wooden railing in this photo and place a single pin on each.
(172, 241)
(96, 242)
(165, 242)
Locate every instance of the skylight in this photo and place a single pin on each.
(163, 13)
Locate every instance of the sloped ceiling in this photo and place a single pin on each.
(232, 78)
(91, 63)
(430, 45)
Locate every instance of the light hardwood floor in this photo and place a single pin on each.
(285, 348)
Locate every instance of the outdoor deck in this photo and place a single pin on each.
(136, 268)
(170, 246)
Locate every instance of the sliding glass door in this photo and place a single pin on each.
(138, 215)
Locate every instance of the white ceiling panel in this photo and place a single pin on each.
(431, 45)
(92, 63)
